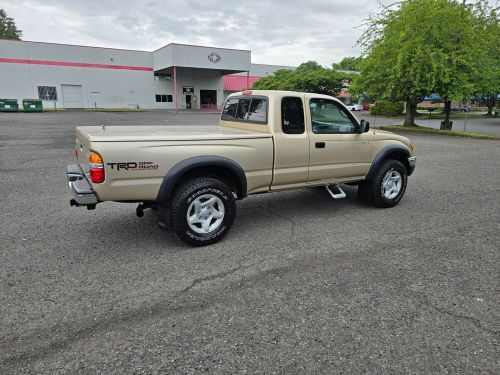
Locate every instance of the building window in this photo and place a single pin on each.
(169, 99)
(162, 76)
(161, 98)
(47, 93)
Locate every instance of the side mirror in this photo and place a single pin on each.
(364, 126)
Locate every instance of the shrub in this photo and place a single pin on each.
(387, 108)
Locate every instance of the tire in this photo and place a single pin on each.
(384, 190)
(205, 200)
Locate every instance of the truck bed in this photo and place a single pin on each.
(142, 133)
(163, 147)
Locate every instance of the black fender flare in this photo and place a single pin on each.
(383, 155)
(184, 166)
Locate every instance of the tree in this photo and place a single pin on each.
(8, 28)
(348, 63)
(488, 72)
(308, 77)
(309, 66)
(416, 48)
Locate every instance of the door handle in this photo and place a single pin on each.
(320, 144)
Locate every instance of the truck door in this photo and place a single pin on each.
(291, 143)
(337, 150)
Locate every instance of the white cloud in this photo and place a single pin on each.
(277, 32)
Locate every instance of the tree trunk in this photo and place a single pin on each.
(490, 103)
(411, 111)
(446, 124)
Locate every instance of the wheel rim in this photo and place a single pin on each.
(205, 214)
(391, 184)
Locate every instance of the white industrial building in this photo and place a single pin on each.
(174, 76)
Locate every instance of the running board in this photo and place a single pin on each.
(337, 192)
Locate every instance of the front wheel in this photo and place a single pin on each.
(387, 187)
(202, 211)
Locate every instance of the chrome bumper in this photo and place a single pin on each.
(80, 188)
(412, 161)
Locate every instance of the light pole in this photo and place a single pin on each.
(466, 114)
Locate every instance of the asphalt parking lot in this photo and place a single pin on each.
(301, 284)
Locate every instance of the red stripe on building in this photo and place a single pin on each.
(238, 83)
(74, 64)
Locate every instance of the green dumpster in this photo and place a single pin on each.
(32, 105)
(9, 105)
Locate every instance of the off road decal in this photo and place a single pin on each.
(133, 165)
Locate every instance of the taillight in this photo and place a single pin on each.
(96, 167)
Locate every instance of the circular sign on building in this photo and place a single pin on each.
(214, 57)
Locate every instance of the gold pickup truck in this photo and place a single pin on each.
(266, 141)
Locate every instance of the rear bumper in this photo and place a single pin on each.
(412, 161)
(80, 187)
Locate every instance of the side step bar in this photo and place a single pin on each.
(336, 192)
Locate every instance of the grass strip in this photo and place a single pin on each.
(425, 130)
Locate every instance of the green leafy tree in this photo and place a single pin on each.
(348, 63)
(487, 80)
(309, 66)
(8, 28)
(419, 47)
(308, 77)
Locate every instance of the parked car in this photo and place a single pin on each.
(354, 107)
(266, 141)
(462, 108)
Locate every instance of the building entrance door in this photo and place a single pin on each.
(188, 101)
(208, 99)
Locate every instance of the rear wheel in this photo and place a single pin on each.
(387, 187)
(202, 211)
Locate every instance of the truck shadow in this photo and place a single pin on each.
(256, 214)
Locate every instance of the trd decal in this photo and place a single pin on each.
(133, 165)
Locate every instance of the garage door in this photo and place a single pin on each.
(72, 96)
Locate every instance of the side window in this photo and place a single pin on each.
(229, 112)
(329, 117)
(292, 115)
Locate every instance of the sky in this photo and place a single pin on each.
(277, 32)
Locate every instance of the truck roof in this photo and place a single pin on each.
(271, 93)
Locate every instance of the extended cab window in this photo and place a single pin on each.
(245, 109)
(329, 117)
(292, 115)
